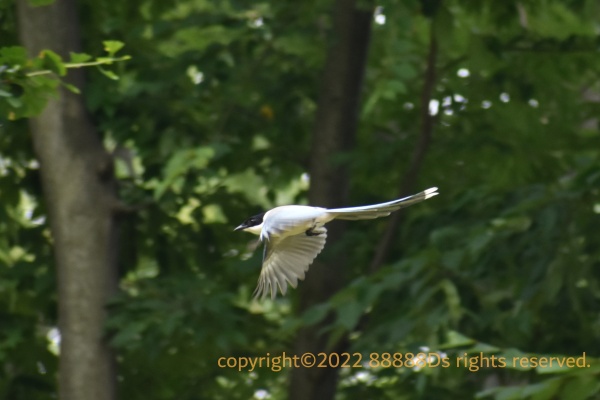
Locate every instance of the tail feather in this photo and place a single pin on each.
(382, 209)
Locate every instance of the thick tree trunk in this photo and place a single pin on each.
(334, 133)
(79, 193)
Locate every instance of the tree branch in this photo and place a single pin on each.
(407, 183)
(101, 61)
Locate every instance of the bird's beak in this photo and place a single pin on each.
(241, 227)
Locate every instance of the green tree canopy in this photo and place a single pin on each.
(211, 120)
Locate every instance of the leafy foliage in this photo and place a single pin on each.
(26, 84)
(209, 122)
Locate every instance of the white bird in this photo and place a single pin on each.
(295, 235)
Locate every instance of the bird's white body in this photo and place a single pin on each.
(295, 235)
(285, 221)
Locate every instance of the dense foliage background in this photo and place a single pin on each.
(211, 121)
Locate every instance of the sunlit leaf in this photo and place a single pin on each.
(112, 46)
(79, 57)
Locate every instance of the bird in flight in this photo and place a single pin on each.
(295, 235)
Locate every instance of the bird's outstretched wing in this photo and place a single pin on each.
(287, 260)
(382, 209)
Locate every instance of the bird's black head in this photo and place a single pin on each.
(254, 220)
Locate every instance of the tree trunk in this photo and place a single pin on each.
(334, 133)
(79, 192)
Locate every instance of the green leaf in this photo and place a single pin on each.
(13, 55)
(452, 298)
(53, 62)
(542, 391)
(502, 393)
(112, 46)
(348, 314)
(77, 58)
(509, 393)
(14, 102)
(180, 163)
(315, 314)
(483, 348)
(71, 88)
(108, 73)
(456, 339)
(128, 337)
(581, 388)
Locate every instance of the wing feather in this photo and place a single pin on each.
(286, 261)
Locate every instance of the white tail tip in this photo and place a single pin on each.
(431, 192)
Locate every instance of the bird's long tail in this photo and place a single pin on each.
(382, 209)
